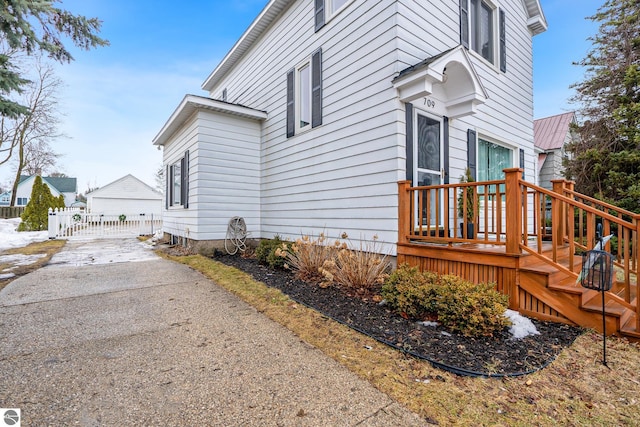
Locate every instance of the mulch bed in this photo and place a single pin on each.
(500, 355)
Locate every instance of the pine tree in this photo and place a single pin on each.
(606, 160)
(36, 214)
(17, 21)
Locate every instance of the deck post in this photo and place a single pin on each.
(513, 213)
(404, 211)
(559, 215)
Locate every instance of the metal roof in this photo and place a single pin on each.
(550, 133)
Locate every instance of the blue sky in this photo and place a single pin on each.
(116, 99)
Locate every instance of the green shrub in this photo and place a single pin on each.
(36, 214)
(459, 305)
(469, 309)
(266, 252)
(410, 292)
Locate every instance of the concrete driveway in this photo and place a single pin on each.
(110, 334)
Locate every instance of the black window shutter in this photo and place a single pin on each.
(471, 151)
(445, 148)
(291, 111)
(503, 42)
(464, 23)
(316, 88)
(409, 144)
(319, 14)
(184, 171)
(522, 161)
(182, 174)
(167, 196)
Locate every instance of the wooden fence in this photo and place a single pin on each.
(11, 211)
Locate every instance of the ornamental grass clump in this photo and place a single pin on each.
(360, 269)
(308, 256)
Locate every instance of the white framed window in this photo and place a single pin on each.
(336, 5)
(22, 201)
(303, 96)
(482, 29)
(493, 158)
(177, 190)
(175, 180)
(325, 10)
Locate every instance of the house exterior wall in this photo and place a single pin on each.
(224, 175)
(342, 176)
(551, 169)
(25, 188)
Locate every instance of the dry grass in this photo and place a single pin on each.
(48, 248)
(575, 390)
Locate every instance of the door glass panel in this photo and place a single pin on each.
(431, 199)
(428, 155)
(428, 144)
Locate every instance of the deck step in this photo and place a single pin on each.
(612, 308)
(629, 328)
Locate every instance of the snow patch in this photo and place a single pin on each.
(520, 326)
(10, 238)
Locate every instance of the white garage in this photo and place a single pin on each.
(127, 195)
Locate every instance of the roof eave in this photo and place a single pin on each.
(192, 103)
(268, 15)
(536, 21)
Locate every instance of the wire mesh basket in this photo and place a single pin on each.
(597, 270)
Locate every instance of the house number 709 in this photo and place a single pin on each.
(430, 103)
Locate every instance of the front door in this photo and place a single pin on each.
(428, 166)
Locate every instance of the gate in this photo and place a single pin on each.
(75, 223)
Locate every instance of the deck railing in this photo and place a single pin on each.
(522, 217)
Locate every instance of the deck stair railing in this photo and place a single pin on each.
(524, 218)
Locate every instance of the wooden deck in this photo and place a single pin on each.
(537, 271)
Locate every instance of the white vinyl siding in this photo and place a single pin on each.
(342, 176)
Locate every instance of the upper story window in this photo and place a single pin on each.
(483, 30)
(336, 5)
(304, 95)
(326, 9)
(482, 37)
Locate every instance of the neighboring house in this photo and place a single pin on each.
(322, 107)
(551, 134)
(127, 195)
(66, 186)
